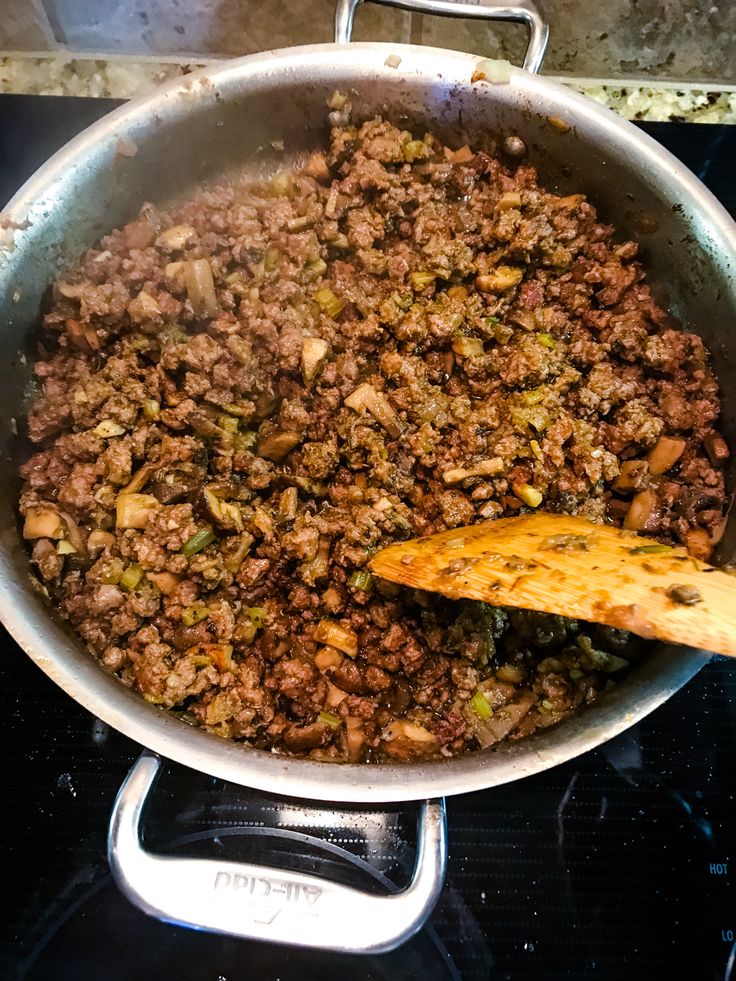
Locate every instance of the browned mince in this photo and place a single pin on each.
(507, 353)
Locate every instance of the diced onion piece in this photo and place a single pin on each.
(108, 428)
(65, 547)
(288, 504)
(329, 303)
(364, 397)
(422, 279)
(528, 494)
(354, 736)
(166, 582)
(461, 156)
(278, 445)
(468, 347)
(314, 353)
(143, 307)
(328, 657)
(642, 512)
(100, 539)
(510, 199)
(500, 279)
(132, 510)
(392, 61)
(221, 655)
(665, 454)
(43, 523)
(511, 673)
(200, 286)
(335, 635)
(415, 150)
(546, 340)
(492, 70)
(151, 409)
(175, 238)
(407, 740)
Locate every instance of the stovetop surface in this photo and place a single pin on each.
(617, 865)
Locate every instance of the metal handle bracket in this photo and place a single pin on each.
(521, 12)
(260, 903)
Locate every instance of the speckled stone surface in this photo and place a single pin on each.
(125, 78)
(690, 40)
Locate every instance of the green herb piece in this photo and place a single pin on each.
(194, 614)
(650, 549)
(422, 279)
(479, 704)
(360, 579)
(131, 577)
(328, 719)
(258, 616)
(199, 540)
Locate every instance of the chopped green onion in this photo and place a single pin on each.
(479, 704)
(546, 340)
(199, 540)
(360, 579)
(131, 577)
(649, 549)
(333, 721)
(546, 705)
(258, 616)
(194, 614)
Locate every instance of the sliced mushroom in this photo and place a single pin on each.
(665, 454)
(632, 476)
(277, 445)
(179, 482)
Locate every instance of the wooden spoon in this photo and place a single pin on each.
(567, 565)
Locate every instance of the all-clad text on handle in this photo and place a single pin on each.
(260, 903)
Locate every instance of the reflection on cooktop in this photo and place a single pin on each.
(615, 866)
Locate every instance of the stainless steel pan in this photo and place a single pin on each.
(239, 112)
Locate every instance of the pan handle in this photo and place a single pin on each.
(255, 902)
(521, 11)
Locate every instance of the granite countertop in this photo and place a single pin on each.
(124, 77)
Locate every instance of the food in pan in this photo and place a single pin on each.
(242, 397)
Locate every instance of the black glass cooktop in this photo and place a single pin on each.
(618, 866)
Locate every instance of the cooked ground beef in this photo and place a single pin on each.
(250, 393)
